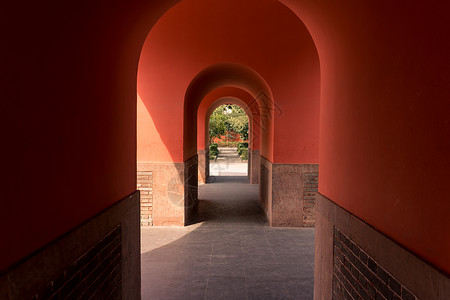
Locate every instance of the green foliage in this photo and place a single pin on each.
(213, 151)
(242, 148)
(217, 124)
(244, 153)
(238, 121)
(228, 119)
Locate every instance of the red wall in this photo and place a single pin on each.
(385, 129)
(69, 104)
(263, 36)
(68, 117)
(214, 80)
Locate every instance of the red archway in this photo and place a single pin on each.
(384, 144)
(250, 105)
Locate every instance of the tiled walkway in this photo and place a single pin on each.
(231, 253)
(228, 163)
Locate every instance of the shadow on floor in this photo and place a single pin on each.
(230, 253)
(227, 262)
(228, 199)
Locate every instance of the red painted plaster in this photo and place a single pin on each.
(264, 37)
(385, 125)
(70, 100)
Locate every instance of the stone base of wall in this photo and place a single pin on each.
(291, 183)
(254, 165)
(203, 165)
(172, 192)
(265, 187)
(167, 192)
(355, 261)
(98, 260)
(288, 192)
(190, 188)
(310, 187)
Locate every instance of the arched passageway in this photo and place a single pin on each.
(230, 95)
(230, 252)
(280, 103)
(383, 125)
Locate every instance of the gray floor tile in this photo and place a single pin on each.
(184, 293)
(227, 248)
(191, 269)
(162, 256)
(259, 258)
(300, 288)
(234, 254)
(290, 258)
(152, 295)
(261, 271)
(251, 249)
(301, 295)
(228, 258)
(266, 289)
(232, 269)
(153, 269)
(310, 257)
(194, 282)
(195, 255)
(226, 287)
(301, 271)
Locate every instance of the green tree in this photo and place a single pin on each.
(238, 121)
(217, 124)
(228, 119)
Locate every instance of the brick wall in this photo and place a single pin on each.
(264, 187)
(356, 275)
(145, 186)
(97, 274)
(310, 186)
(254, 166)
(190, 188)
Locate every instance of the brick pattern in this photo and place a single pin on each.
(97, 274)
(264, 186)
(358, 276)
(310, 188)
(145, 186)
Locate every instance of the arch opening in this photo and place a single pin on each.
(371, 146)
(224, 142)
(220, 84)
(290, 77)
(232, 95)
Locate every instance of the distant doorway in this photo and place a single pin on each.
(228, 141)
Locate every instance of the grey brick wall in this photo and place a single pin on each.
(356, 275)
(310, 188)
(264, 187)
(97, 274)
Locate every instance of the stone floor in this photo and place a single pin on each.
(229, 253)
